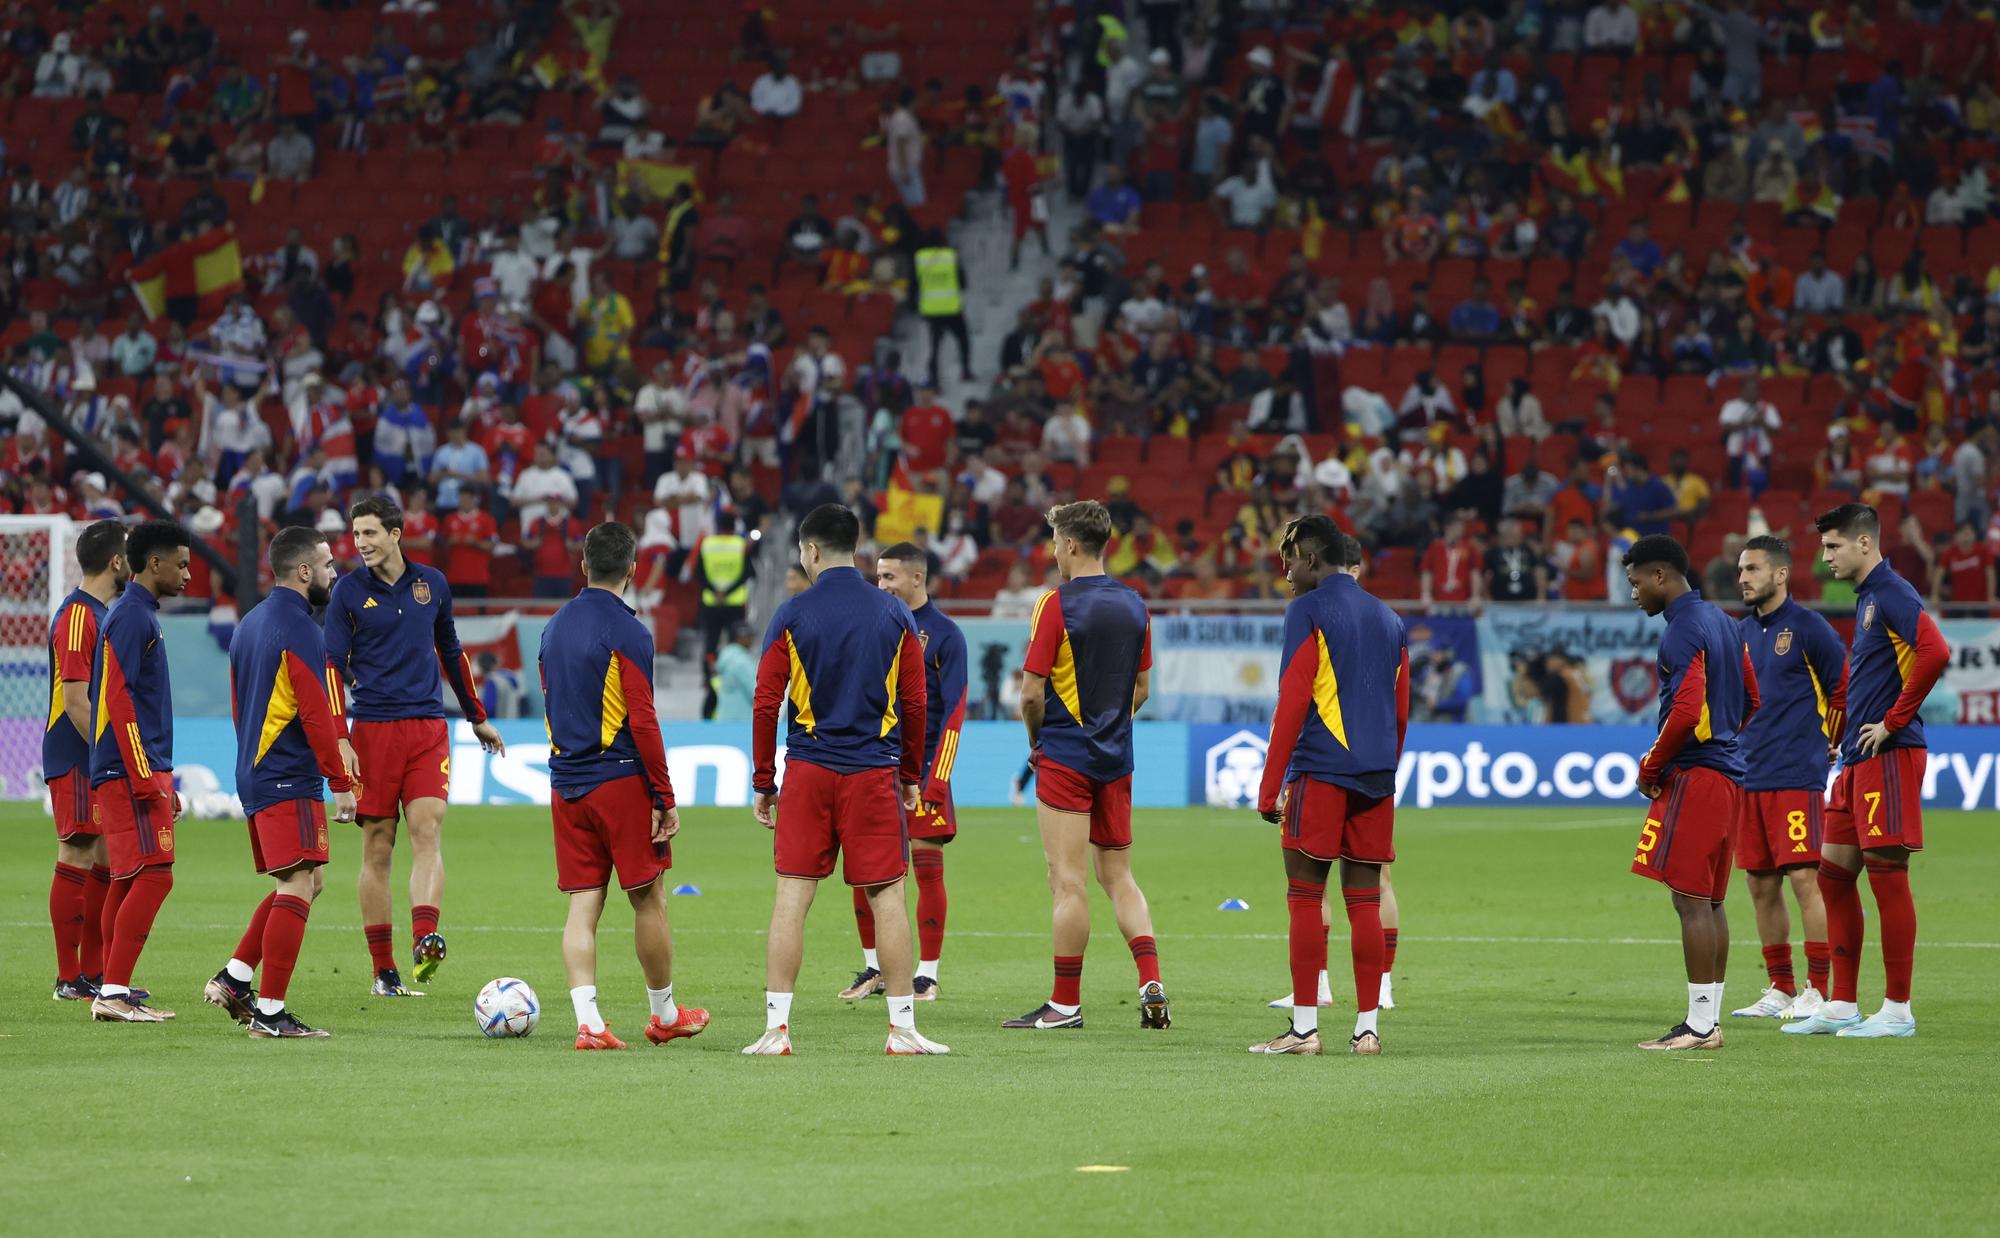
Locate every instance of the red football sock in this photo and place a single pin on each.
(1146, 953)
(1388, 950)
(1843, 929)
(1364, 929)
(1897, 911)
(136, 911)
(107, 921)
(250, 950)
(96, 887)
(1069, 980)
(423, 922)
(864, 919)
(1819, 958)
(379, 949)
(1307, 938)
(1778, 965)
(66, 893)
(284, 929)
(931, 904)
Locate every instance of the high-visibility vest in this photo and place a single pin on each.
(937, 283)
(722, 557)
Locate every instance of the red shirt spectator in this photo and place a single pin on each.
(710, 444)
(1062, 376)
(1448, 566)
(420, 530)
(550, 537)
(1967, 570)
(469, 536)
(926, 431)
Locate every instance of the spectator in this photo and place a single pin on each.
(540, 484)
(1527, 494)
(1611, 26)
(1519, 412)
(1279, 409)
(1640, 249)
(1638, 498)
(1446, 575)
(621, 113)
(191, 152)
(459, 462)
(1115, 204)
(469, 537)
(1913, 558)
(1475, 319)
(777, 94)
(940, 287)
(723, 236)
(736, 676)
(1426, 403)
(1080, 118)
(633, 234)
(289, 155)
(1017, 599)
(925, 431)
(1691, 492)
(1066, 436)
(554, 539)
(1514, 571)
(809, 234)
(1889, 468)
(134, 350)
(1964, 569)
(1579, 563)
(1719, 578)
(903, 139)
(1819, 291)
(1248, 199)
(1748, 423)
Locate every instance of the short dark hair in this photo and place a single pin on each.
(1779, 550)
(1345, 551)
(608, 552)
(380, 506)
(1657, 548)
(154, 537)
(1085, 520)
(909, 554)
(832, 527)
(292, 546)
(1318, 532)
(1851, 520)
(98, 545)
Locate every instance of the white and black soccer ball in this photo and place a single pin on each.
(506, 1007)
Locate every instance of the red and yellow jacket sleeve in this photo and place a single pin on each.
(1929, 655)
(115, 711)
(1682, 718)
(456, 667)
(911, 707)
(1295, 694)
(1402, 701)
(1752, 699)
(316, 717)
(336, 699)
(774, 675)
(1045, 636)
(76, 642)
(644, 721)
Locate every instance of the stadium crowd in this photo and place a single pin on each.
(1500, 287)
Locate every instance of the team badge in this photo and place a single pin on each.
(1783, 644)
(923, 640)
(1868, 616)
(422, 592)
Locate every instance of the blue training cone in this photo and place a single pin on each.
(1234, 904)
(687, 888)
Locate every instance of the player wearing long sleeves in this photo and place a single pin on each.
(1330, 770)
(132, 760)
(82, 876)
(613, 799)
(1087, 671)
(391, 639)
(288, 709)
(1874, 815)
(902, 570)
(1801, 671)
(1692, 775)
(845, 656)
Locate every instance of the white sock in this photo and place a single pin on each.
(777, 1010)
(1701, 1008)
(1716, 992)
(1326, 990)
(869, 960)
(927, 968)
(1305, 1019)
(584, 998)
(1899, 1011)
(239, 970)
(1059, 1008)
(113, 990)
(903, 1012)
(662, 1002)
(1839, 1010)
(270, 1005)
(1365, 1021)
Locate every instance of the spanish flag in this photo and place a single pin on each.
(207, 269)
(905, 511)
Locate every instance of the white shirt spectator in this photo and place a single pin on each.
(1144, 313)
(634, 237)
(1437, 404)
(1611, 27)
(771, 95)
(1268, 416)
(1333, 324)
(1017, 603)
(1250, 196)
(289, 156)
(687, 496)
(812, 374)
(133, 353)
(1747, 428)
(1079, 119)
(72, 199)
(226, 429)
(1824, 293)
(957, 553)
(534, 486)
(660, 407)
(1120, 80)
(987, 484)
(1066, 437)
(56, 73)
(1622, 312)
(514, 273)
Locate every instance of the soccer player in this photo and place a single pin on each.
(82, 879)
(390, 637)
(613, 801)
(1336, 735)
(132, 761)
(1693, 773)
(845, 655)
(1875, 813)
(1801, 672)
(287, 708)
(1090, 656)
(903, 570)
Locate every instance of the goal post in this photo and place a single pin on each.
(37, 571)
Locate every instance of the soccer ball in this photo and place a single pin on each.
(506, 1007)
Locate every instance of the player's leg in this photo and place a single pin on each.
(1065, 847)
(1392, 925)
(68, 914)
(579, 950)
(1686, 845)
(284, 933)
(426, 822)
(653, 940)
(229, 990)
(783, 948)
(1361, 891)
(1804, 881)
(1839, 868)
(96, 890)
(1305, 898)
(898, 952)
(867, 981)
(1774, 931)
(1113, 867)
(1896, 917)
(1325, 936)
(378, 857)
(141, 837)
(927, 866)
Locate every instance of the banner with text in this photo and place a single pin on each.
(1568, 666)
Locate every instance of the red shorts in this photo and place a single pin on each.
(609, 827)
(857, 817)
(1879, 802)
(935, 827)
(401, 760)
(1330, 822)
(1109, 804)
(1685, 841)
(1779, 829)
(287, 835)
(137, 833)
(69, 795)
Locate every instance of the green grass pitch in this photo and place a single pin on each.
(1510, 1098)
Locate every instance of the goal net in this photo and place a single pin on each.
(37, 570)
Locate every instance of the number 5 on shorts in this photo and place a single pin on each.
(1649, 837)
